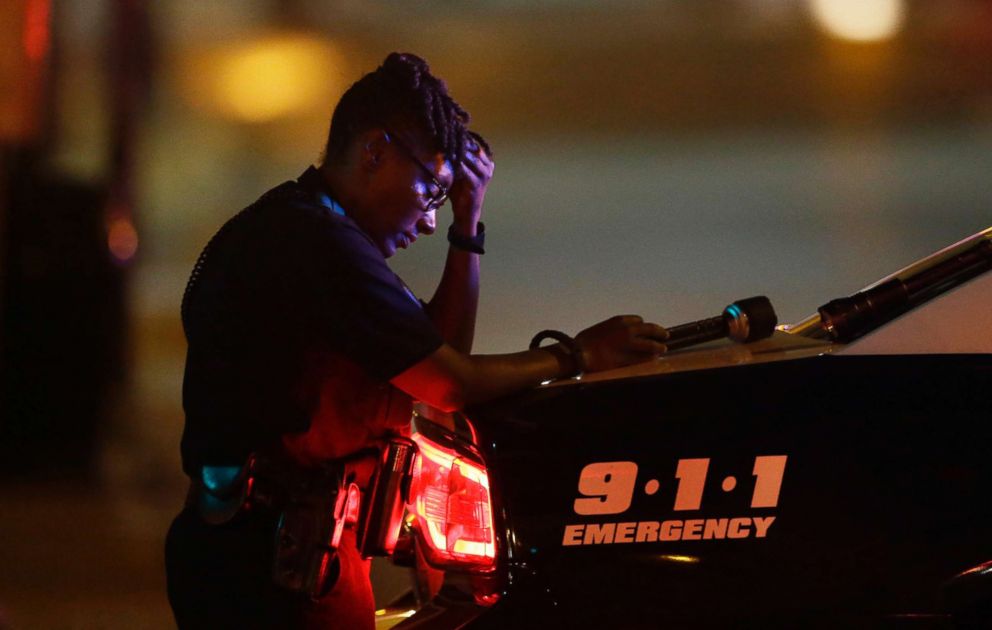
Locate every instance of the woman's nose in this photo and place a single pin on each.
(427, 223)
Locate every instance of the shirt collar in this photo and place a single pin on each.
(311, 179)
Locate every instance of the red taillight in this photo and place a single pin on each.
(449, 497)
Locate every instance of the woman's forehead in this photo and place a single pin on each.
(443, 169)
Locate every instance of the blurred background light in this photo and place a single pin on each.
(268, 78)
(24, 43)
(859, 20)
(655, 157)
(122, 239)
(36, 32)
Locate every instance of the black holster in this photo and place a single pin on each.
(311, 521)
(312, 507)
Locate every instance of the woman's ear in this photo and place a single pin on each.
(373, 148)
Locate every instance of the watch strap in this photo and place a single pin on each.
(475, 244)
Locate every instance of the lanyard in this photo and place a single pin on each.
(330, 204)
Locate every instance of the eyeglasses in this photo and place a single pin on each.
(435, 200)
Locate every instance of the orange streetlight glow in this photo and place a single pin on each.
(268, 78)
(122, 239)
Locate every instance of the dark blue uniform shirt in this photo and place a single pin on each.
(286, 288)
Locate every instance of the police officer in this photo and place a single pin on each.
(304, 345)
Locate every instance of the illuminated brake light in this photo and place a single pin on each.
(449, 497)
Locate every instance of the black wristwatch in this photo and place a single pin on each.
(475, 244)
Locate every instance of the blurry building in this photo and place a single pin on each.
(654, 156)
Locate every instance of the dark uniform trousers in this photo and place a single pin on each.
(219, 576)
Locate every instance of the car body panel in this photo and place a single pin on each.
(789, 482)
(887, 456)
(957, 322)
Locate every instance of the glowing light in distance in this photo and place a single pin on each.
(36, 29)
(859, 20)
(268, 78)
(122, 239)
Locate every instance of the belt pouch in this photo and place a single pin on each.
(382, 512)
(308, 532)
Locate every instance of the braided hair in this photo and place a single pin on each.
(400, 92)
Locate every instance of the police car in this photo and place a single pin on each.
(837, 473)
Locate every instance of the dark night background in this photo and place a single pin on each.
(657, 157)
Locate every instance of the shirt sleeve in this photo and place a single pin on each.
(370, 314)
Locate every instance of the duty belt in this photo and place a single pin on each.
(269, 481)
(313, 507)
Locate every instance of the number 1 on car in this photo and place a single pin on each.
(608, 487)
